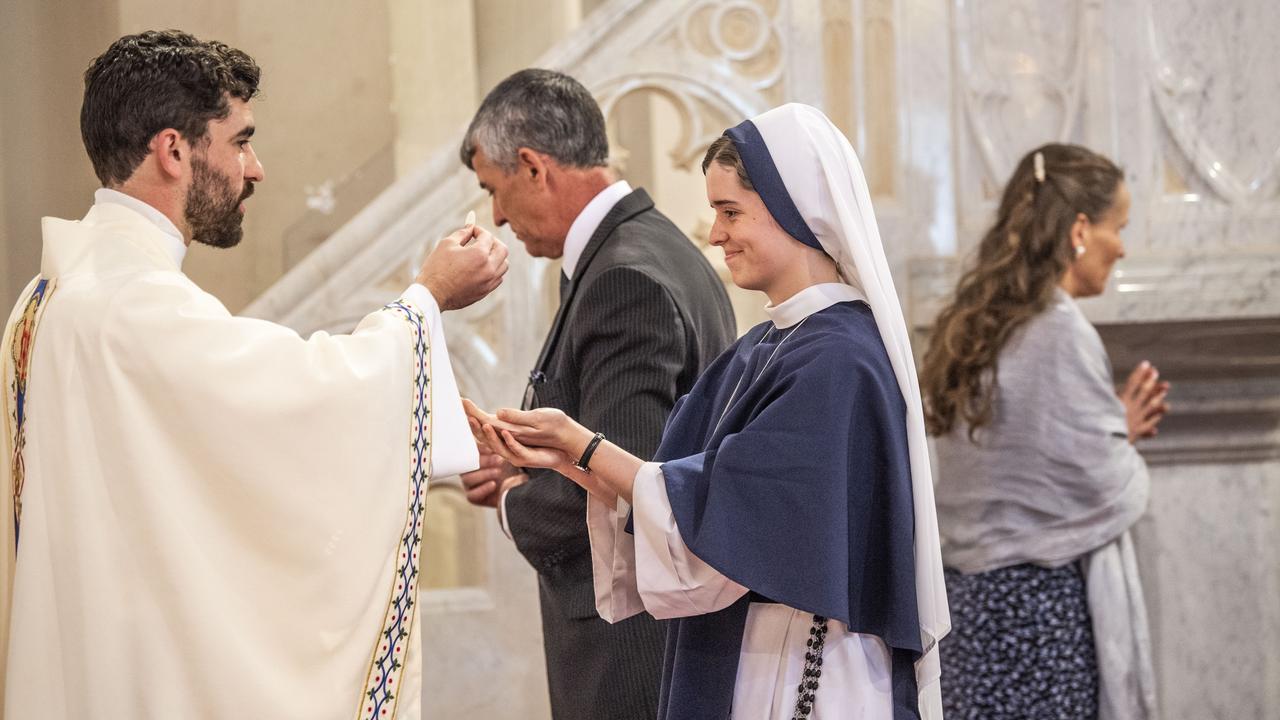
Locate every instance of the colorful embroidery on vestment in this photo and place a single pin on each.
(24, 334)
(382, 683)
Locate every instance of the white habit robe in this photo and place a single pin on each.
(654, 571)
(219, 519)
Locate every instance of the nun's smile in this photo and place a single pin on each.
(760, 255)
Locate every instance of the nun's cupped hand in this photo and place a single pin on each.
(516, 453)
(543, 427)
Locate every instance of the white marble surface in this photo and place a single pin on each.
(1209, 545)
(1209, 553)
(1144, 287)
(1217, 91)
(1181, 93)
(1021, 81)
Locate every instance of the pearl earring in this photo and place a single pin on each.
(1079, 250)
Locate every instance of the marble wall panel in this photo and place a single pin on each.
(1208, 557)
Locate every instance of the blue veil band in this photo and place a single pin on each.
(768, 183)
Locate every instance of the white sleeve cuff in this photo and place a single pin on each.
(612, 560)
(672, 581)
(453, 450)
(422, 299)
(502, 514)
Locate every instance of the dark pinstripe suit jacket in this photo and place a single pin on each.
(642, 317)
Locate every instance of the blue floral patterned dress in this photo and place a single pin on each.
(1021, 646)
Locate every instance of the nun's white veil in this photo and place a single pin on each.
(824, 179)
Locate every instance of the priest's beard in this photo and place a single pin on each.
(213, 209)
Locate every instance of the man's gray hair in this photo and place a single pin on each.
(543, 110)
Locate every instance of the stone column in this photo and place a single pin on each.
(510, 36)
(433, 75)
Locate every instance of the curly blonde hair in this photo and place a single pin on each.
(1018, 263)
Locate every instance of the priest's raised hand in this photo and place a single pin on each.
(464, 267)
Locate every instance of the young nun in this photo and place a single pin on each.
(787, 525)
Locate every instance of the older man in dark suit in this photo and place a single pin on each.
(641, 315)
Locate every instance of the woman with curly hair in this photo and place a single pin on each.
(1038, 478)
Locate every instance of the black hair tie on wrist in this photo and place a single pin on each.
(586, 454)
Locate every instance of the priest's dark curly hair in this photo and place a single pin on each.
(1018, 263)
(154, 81)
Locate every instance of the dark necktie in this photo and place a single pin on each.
(537, 377)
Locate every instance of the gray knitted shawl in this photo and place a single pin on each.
(1054, 479)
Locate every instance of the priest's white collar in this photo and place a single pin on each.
(177, 248)
(588, 221)
(810, 300)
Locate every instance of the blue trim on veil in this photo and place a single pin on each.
(768, 183)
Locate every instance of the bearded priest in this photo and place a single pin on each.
(206, 515)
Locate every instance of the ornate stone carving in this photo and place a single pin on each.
(1215, 86)
(743, 34)
(704, 109)
(1021, 78)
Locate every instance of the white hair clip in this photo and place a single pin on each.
(1039, 163)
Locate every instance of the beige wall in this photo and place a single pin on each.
(434, 76)
(4, 227)
(353, 95)
(511, 35)
(44, 49)
(324, 113)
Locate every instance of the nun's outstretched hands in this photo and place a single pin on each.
(547, 438)
(485, 487)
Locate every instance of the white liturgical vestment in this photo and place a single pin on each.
(209, 516)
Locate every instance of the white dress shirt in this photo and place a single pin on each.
(587, 222)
